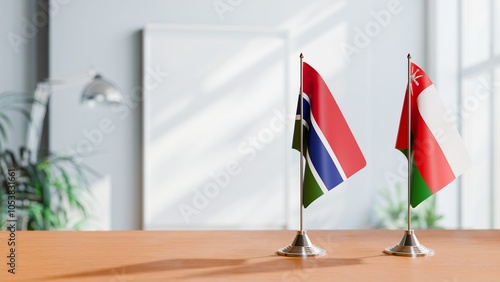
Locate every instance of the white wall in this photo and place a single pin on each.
(18, 57)
(369, 86)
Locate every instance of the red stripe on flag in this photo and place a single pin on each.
(332, 123)
(402, 138)
(428, 156)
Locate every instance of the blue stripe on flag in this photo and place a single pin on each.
(322, 161)
(307, 112)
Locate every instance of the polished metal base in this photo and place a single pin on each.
(409, 247)
(301, 247)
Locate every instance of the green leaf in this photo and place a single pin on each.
(56, 188)
(36, 215)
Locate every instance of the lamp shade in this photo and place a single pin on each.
(101, 90)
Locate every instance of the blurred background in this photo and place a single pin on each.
(201, 138)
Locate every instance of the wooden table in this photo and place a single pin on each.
(354, 255)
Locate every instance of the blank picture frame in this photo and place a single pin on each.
(216, 127)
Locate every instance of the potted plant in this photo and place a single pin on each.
(392, 214)
(50, 193)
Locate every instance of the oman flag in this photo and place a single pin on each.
(439, 154)
(331, 152)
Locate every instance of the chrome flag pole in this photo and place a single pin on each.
(409, 245)
(301, 185)
(301, 245)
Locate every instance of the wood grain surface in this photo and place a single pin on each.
(353, 255)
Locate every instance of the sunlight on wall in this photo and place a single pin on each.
(218, 134)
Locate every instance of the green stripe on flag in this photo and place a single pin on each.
(296, 137)
(419, 189)
(312, 191)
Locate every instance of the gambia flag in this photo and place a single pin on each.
(439, 154)
(331, 152)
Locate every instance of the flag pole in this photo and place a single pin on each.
(410, 92)
(301, 245)
(302, 155)
(409, 246)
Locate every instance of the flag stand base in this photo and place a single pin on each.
(301, 247)
(409, 247)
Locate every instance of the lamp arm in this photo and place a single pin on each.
(58, 84)
(38, 111)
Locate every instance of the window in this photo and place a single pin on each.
(464, 53)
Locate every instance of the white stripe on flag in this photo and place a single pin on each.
(433, 111)
(316, 175)
(304, 122)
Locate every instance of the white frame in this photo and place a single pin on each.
(146, 108)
